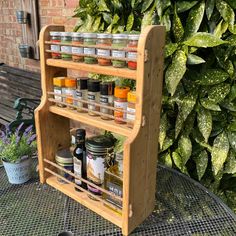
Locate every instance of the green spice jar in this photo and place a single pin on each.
(77, 39)
(90, 39)
(66, 38)
(119, 41)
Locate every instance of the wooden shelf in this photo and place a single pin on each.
(96, 121)
(83, 199)
(94, 68)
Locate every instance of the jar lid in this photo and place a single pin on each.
(80, 134)
(64, 156)
(131, 96)
(104, 36)
(59, 81)
(70, 82)
(66, 34)
(77, 35)
(134, 36)
(119, 36)
(93, 85)
(90, 35)
(121, 92)
(53, 33)
(107, 88)
(100, 144)
(82, 83)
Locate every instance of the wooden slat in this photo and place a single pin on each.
(96, 121)
(83, 199)
(104, 70)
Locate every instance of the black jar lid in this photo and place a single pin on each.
(82, 83)
(93, 85)
(99, 144)
(80, 133)
(107, 88)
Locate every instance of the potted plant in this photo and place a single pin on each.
(16, 150)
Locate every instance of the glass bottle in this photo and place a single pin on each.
(81, 93)
(131, 98)
(70, 84)
(132, 43)
(93, 96)
(55, 38)
(59, 89)
(77, 39)
(89, 39)
(79, 158)
(66, 38)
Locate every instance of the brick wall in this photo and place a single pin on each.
(50, 12)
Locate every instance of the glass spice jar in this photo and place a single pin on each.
(131, 98)
(59, 89)
(106, 98)
(90, 39)
(55, 37)
(104, 40)
(81, 93)
(132, 43)
(66, 38)
(93, 96)
(99, 155)
(119, 41)
(70, 84)
(120, 104)
(77, 39)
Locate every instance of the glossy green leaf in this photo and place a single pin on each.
(96, 24)
(107, 17)
(204, 119)
(130, 22)
(218, 92)
(232, 3)
(167, 143)
(178, 162)
(232, 93)
(232, 40)
(208, 104)
(232, 139)
(212, 77)
(201, 161)
(163, 129)
(231, 106)
(185, 109)
(147, 18)
(183, 6)
(219, 152)
(226, 11)
(203, 40)
(210, 5)
(170, 49)
(194, 60)
(146, 5)
(185, 148)
(220, 29)
(165, 20)
(161, 6)
(177, 27)
(166, 159)
(103, 6)
(230, 166)
(175, 71)
(194, 19)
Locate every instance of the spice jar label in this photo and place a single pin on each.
(77, 50)
(102, 52)
(66, 49)
(89, 51)
(117, 53)
(130, 117)
(55, 48)
(104, 100)
(58, 98)
(122, 106)
(78, 169)
(91, 97)
(78, 94)
(132, 55)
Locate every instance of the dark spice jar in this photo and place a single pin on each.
(99, 156)
(93, 96)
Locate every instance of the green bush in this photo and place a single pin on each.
(198, 121)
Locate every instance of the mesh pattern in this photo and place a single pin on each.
(183, 207)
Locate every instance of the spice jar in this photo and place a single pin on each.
(90, 39)
(104, 40)
(106, 98)
(59, 88)
(65, 160)
(119, 41)
(77, 39)
(81, 94)
(66, 38)
(55, 38)
(131, 108)
(132, 43)
(98, 157)
(70, 84)
(93, 96)
(120, 104)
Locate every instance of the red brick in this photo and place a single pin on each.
(71, 3)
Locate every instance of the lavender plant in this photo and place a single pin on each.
(18, 144)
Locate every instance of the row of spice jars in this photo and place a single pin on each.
(118, 41)
(96, 98)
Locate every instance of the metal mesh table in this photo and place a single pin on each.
(183, 207)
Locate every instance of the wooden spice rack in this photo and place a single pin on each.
(140, 148)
